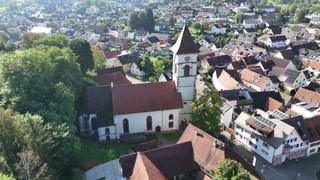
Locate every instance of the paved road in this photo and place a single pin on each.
(304, 169)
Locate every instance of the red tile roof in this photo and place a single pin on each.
(315, 64)
(115, 78)
(145, 97)
(112, 54)
(313, 127)
(144, 169)
(272, 104)
(195, 148)
(206, 153)
(305, 95)
(171, 161)
(253, 78)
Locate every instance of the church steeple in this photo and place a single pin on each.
(184, 44)
(184, 71)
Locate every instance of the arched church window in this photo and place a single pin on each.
(186, 70)
(149, 123)
(125, 126)
(107, 130)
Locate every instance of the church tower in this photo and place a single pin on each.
(184, 70)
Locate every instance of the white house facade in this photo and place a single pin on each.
(272, 139)
(136, 70)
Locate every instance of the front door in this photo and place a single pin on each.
(158, 129)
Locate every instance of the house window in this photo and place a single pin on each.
(186, 70)
(107, 130)
(149, 123)
(125, 126)
(171, 124)
(265, 145)
(170, 117)
(265, 152)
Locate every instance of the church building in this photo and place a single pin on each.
(115, 110)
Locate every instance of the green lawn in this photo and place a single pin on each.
(93, 153)
(172, 136)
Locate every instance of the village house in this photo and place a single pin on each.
(305, 109)
(271, 138)
(257, 81)
(111, 57)
(154, 41)
(278, 41)
(285, 54)
(314, 67)
(206, 42)
(249, 23)
(305, 95)
(222, 81)
(219, 29)
(291, 79)
(313, 129)
(216, 62)
(194, 155)
(136, 68)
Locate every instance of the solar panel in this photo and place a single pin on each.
(280, 115)
(292, 75)
(259, 124)
(265, 121)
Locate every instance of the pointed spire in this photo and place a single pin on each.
(184, 44)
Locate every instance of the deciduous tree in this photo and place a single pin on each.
(28, 40)
(98, 57)
(206, 112)
(239, 17)
(83, 52)
(147, 65)
(133, 21)
(150, 22)
(230, 170)
(56, 40)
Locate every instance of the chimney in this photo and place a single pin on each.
(111, 85)
(196, 132)
(215, 143)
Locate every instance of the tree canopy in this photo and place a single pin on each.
(206, 112)
(44, 81)
(230, 170)
(149, 25)
(41, 84)
(141, 20)
(81, 48)
(98, 57)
